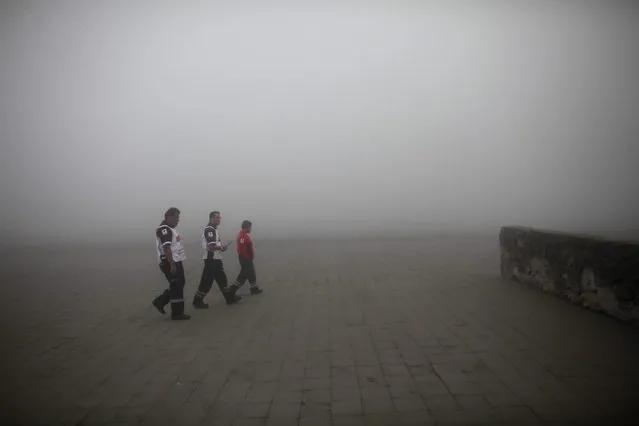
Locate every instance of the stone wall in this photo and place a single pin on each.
(593, 272)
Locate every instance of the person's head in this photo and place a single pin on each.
(246, 226)
(215, 218)
(172, 217)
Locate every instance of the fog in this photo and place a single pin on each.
(361, 116)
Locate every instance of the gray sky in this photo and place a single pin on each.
(340, 115)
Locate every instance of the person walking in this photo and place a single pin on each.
(213, 270)
(246, 255)
(170, 251)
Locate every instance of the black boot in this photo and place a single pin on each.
(256, 290)
(180, 317)
(199, 304)
(157, 304)
(230, 296)
(161, 301)
(177, 311)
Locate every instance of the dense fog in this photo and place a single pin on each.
(325, 117)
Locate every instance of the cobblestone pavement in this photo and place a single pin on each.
(366, 332)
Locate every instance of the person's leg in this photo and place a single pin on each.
(206, 282)
(241, 277)
(177, 294)
(222, 283)
(252, 278)
(163, 299)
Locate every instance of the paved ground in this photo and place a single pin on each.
(365, 332)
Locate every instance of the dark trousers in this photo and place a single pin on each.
(213, 271)
(247, 272)
(175, 293)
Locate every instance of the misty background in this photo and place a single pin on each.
(360, 116)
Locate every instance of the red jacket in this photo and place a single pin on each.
(245, 245)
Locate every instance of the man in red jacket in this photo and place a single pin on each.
(246, 256)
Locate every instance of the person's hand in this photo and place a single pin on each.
(173, 269)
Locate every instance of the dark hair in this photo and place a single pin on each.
(173, 211)
(246, 224)
(213, 213)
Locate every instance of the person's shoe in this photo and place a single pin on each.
(256, 290)
(157, 305)
(199, 304)
(231, 298)
(180, 317)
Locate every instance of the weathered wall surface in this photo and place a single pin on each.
(593, 272)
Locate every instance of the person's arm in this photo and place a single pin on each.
(169, 256)
(249, 249)
(241, 245)
(166, 237)
(211, 239)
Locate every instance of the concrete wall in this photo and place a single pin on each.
(596, 273)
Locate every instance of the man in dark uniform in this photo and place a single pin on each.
(170, 251)
(213, 266)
